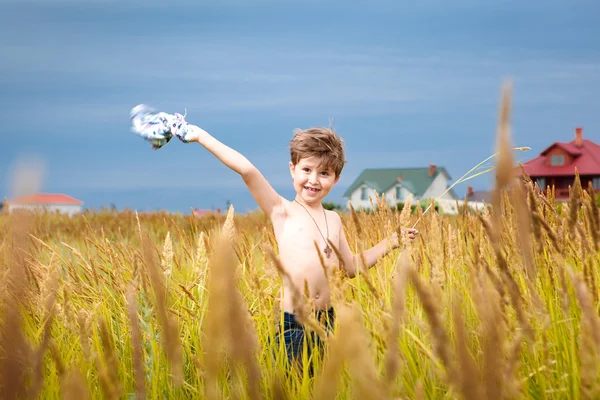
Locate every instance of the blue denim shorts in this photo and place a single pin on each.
(294, 334)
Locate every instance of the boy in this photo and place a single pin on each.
(317, 160)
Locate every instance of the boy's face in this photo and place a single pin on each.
(312, 181)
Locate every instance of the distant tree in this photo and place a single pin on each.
(329, 205)
(423, 203)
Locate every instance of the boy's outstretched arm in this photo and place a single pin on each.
(264, 194)
(352, 261)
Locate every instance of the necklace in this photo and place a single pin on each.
(327, 249)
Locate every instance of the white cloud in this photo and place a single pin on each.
(270, 67)
(273, 69)
(225, 77)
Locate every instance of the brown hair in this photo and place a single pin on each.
(319, 142)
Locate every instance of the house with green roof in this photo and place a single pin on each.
(398, 184)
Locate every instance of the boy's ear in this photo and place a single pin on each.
(291, 169)
(337, 178)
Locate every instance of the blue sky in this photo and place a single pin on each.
(406, 84)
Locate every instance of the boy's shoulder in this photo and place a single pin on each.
(333, 216)
(332, 213)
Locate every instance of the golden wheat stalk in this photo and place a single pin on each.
(392, 359)
(226, 303)
(136, 343)
(170, 326)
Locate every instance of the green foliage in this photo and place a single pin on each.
(329, 205)
(423, 203)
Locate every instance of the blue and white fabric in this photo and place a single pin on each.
(157, 127)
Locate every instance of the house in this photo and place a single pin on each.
(398, 184)
(555, 166)
(46, 202)
(478, 195)
(196, 212)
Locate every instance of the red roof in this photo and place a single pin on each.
(199, 213)
(46, 198)
(586, 160)
(568, 147)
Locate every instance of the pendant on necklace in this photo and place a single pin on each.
(327, 251)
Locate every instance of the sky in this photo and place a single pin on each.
(406, 84)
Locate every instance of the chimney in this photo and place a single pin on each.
(432, 169)
(470, 191)
(579, 137)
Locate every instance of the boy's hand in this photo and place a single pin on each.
(409, 233)
(183, 131)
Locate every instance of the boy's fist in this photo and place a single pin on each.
(409, 234)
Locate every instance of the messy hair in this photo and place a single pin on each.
(319, 142)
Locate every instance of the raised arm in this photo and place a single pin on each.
(371, 256)
(264, 194)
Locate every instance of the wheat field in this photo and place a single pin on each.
(498, 304)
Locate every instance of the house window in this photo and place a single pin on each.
(363, 194)
(596, 182)
(398, 193)
(541, 183)
(557, 159)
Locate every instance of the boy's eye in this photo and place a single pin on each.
(305, 169)
(325, 173)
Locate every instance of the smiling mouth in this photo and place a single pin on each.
(312, 190)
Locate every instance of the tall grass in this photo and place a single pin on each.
(497, 305)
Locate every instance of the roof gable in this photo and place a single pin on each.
(46, 198)
(481, 195)
(408, 185)
(587, 162)
(568, 147)
(417, 180)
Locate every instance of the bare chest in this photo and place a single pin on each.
(303, 231)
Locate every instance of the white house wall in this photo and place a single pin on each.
(451, 206)
(357, 202)
(366, 204)
(437, 187)
(68, 209)
(390, 195)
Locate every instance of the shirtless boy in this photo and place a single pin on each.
(317, 160)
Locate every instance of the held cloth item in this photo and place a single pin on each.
(157, 127)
